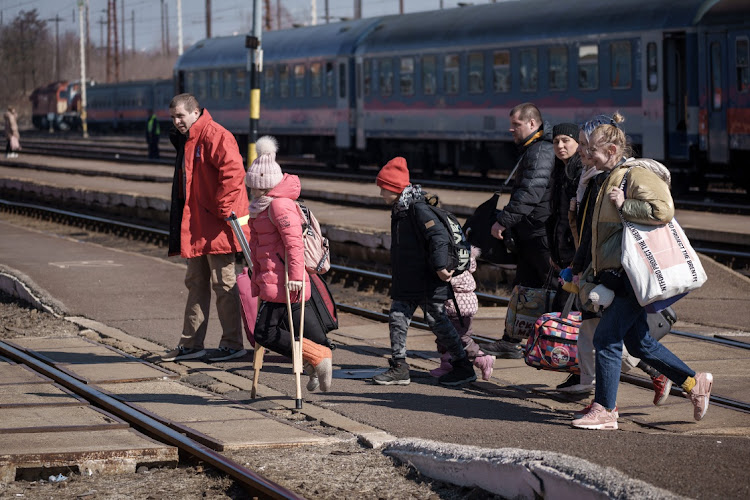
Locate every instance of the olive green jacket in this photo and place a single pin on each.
(648, 200)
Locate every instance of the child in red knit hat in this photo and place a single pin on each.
(420, 246)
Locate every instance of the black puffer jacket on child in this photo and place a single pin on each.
(419, 248)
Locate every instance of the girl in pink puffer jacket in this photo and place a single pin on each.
(468, 305)
(275, 237)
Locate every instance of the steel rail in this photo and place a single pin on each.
(253, 482)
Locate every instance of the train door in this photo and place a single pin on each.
(343, 137)
(359, 117)
(652, 97)
(675, 97)
(716, 111)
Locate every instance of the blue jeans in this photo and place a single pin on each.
(624, 321)
(400, 317)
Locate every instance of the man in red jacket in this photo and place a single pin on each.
(208, 186)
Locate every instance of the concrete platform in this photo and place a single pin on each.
(516, 408)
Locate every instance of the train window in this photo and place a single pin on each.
(190, 83)
(652, 67)
(239, 81)
(501, 71)
(367, 77)
(450, 74)
(621, 67)
(406, 76)
(743, 71)
(299, 80)
(329, 79)
(214, 85)
(316, 80)
(269, 79)
(529, 68)
(342, 80)
(283, 80)
(716, 84)
(476, 73)
(227, 85)
(588, 67)
(385, 82)
(429, 72)
(201, 85)
(558, 68)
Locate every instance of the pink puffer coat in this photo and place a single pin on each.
(276, 230)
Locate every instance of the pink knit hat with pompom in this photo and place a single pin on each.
(264, 173)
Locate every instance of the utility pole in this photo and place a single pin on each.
(132, 32)
(208, 18)
(163, 49)
(122, 29)
(357, 9)
(328, 13)
(109, 41)
(278, 14)
(56, 59)
(83, 4)
(166, 26)
(400, 6)
(101, 31)
(267, 17)
(314, 10)
(255, 69)
(117, 50)
(179, 27)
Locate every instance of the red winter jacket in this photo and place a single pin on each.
(276, 230)
(213, 186)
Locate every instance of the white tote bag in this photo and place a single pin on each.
(659, 260)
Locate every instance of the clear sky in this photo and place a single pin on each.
(228, 16)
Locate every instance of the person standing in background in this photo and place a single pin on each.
(153, 132)
(11, 133)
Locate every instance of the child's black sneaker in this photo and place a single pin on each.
(462, 373)
(398, 374)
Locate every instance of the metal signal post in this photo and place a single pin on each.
(255, 70)
(83, 5)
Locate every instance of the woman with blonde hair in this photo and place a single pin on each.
(646, 199)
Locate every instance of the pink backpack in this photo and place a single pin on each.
(317, 250)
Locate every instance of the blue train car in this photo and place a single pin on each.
(306, 86)
(437, 86)
(124, 106)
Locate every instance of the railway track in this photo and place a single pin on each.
(254, 483)
(719, 198)
(337, 272)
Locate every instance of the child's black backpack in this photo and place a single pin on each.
(460, 254)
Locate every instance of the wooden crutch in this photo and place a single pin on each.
(259, 349)
(296, 344)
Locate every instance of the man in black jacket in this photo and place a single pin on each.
(527, 212)
(419, 261)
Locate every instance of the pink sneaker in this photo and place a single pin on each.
(445, 366)
(662, 386)
(581, 413)
(701, 393)
(486, 364)
(598, 418)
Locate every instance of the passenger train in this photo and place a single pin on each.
(437, 87)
